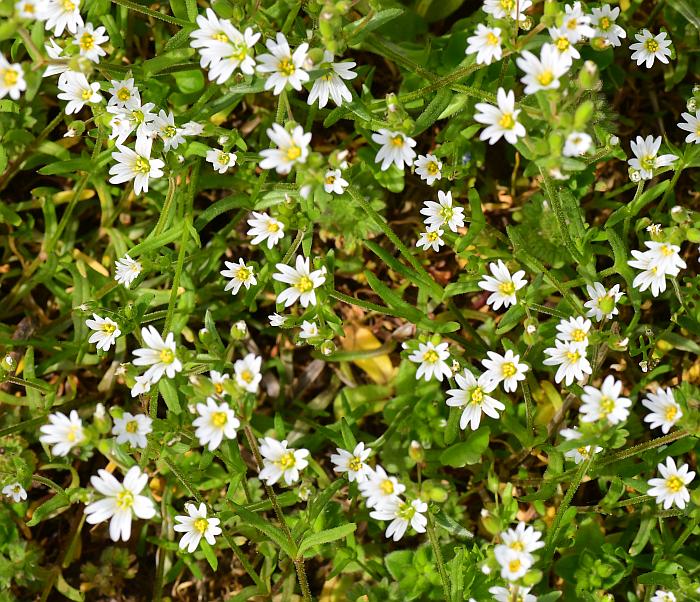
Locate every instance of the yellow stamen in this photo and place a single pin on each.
(166, 356)
(304, 285)
(508, 369)
(219, 419)
(545, 78)
(125, 500)
(201, 524)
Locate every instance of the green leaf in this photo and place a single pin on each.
(169, 392)
(452, 526)
(433, 111)
(53, 506)
(356, 31)
(274, 533)
(68, 590)
(209, 554)
(467, 452)
(348, 437)
(326, 536)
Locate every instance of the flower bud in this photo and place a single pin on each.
(238, 330)
(415, 451)
(328, 347)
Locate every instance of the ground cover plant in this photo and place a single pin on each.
(346, 300)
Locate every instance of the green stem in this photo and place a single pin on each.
(151, 13)
(529, 408)
(439, 560)
(687, 532)
(628, 217)
(642, 447)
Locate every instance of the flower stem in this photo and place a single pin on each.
(439, 560)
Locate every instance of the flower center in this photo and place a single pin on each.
(124, 94)
(132, 426)
(607, 405)
(432, 168)
(287, 67)
(219, 419)
(220, 36)
(247, 376)
(546, 77)
(563, 44)
(572, 23)
(201, 524)
(293, 153)
(573, 356)
(406, 512)
(432, 236)
(219, 388)
(355, 464)
(68, 6)
(240, 51)
(517, 546)
(508, 369)
(651, 45)
(125, 500)
(431, 356)
(137, 115)
(108, 328)
(166, 356)
(506, 288)
(397, 141)
(87, 41)
(506, 121)
(648, 162)
(223, 158)
(507, 5)
(666, 250)
(287, 461)
(242, 274)
(86, 93)
(29, 8)
(273, 227)
(674, 483)
(477, 396)
(387, 487)
(330, 180)
(142, 165)
(671, 412)
(583, 451)
(604, 24)
(446, 212)
(169, 131)
(72, 434)
(514, 565)
(578, 335)
(304, 285)
(492, 39)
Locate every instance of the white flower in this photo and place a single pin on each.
(285, 67)
(432, 362)
(603, 22)
(379, 488)
(659, 261)
(649, 47)
(576, 23)
(240, 275)
(502, 285)
(11, 79)
(645, 159)
(89, 41)
(401, 514)
(214, 423)
(265, 228)
(472, 396)
(247, 372)
(132, 429)
(571, 359)
(279, 462)
(578, 454)
(428, 168)
(15, 491)
(671, 489)
(502, 121)
(431, 239)
(443, 212)
(352, 463)
(60, 15)
(562, 42)
(276, 320)
(522, 539)
(331, 82)
(520, 593)
(577, 144)
(106, 332)
(334, 182)
(123, 93)
(663, 596)
(605, 403)
(120, 502)
(574, 329)
(133, 116)
(505, 369)
(192, 128)
(692, 125)
(196, 525)
(159, 354)
(291, 149)
(136, 165)
(502, 9)
(486, 44)
(602, 302)
(220, 160)
(126, 270)
(542, 73)
(218, 379)
(27, 9)
(514, 564)
(395, 147)
(55, 53)
(303, 282)
(142, 384)
(665, 411)
(309, 330)
(164, 126)
(76, 89)
(63, 432)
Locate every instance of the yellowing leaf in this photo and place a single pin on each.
(377, 367)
